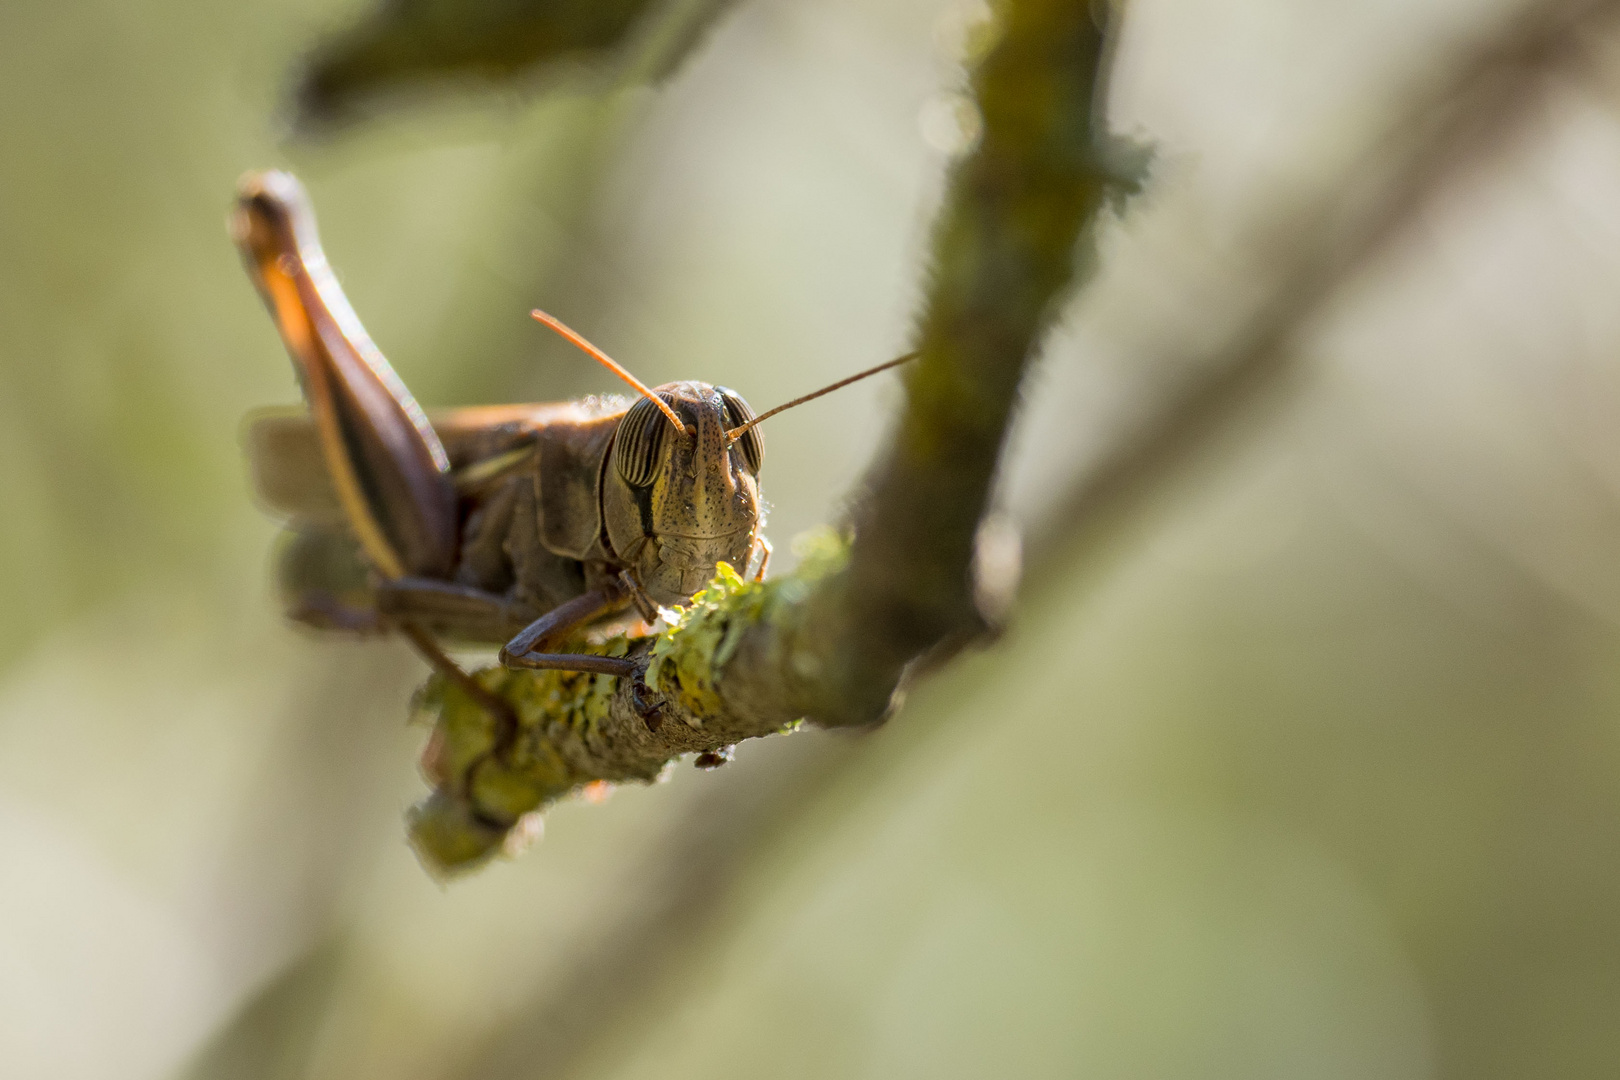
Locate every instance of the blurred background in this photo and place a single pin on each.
(1307, 763)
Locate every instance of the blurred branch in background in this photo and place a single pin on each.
(273, 1037)
(1481, 102)
(409, 45)
(680, 901)
(592, 57)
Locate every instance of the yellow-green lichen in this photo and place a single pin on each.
(448, 837)
(483, 789)
(689, 655)
(702, 637)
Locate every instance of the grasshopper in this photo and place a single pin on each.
(509, 525)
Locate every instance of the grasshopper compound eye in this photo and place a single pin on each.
(739, 415)
(638, 442)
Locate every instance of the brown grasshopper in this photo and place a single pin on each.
(510, 525)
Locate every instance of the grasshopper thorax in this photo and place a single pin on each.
(676, 503)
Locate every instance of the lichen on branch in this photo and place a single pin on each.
(576, 729)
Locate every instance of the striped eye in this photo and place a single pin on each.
(638, 442)
(752, 441)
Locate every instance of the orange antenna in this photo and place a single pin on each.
(612, 365)
(735, 433)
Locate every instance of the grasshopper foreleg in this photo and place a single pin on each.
(519, 652)
(588, 662)
(522, 650)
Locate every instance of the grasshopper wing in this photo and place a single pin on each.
(288, 468)
(483, 443)
(385, 466)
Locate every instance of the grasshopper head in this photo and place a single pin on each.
(675, 503)
(680, 492)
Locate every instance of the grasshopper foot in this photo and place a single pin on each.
(650, 709)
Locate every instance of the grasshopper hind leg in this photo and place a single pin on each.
(325, 581)
(506, 720)
(385, 462)
(461, 612)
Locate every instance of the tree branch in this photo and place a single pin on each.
(489, 43)
(714, 844)
(833, 641)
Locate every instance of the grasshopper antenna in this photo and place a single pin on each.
(612, 365)
(735, 433)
